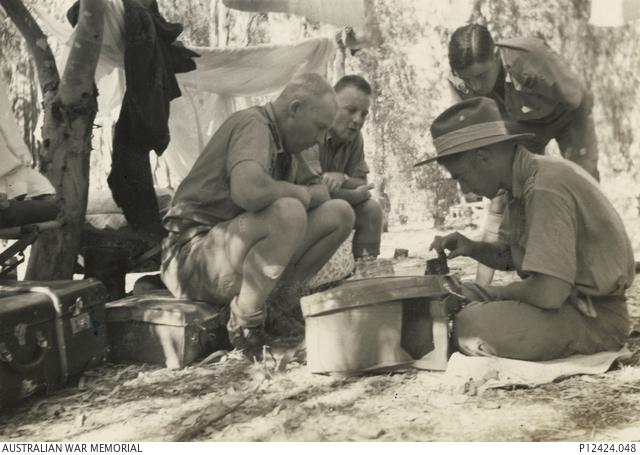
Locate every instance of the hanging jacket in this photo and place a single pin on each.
(152, 57)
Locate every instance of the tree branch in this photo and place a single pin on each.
(77, 79)
(36, 40)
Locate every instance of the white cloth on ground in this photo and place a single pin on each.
(493, 372)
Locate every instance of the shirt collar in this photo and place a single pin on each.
(330, 137)
(273, 125)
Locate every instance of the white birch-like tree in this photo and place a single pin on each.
(70, 105)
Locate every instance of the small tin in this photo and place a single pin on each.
(437, 266)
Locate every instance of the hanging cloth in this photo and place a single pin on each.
(151, 60)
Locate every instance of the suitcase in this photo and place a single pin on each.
(378, 324)
(160, 329)
(50, 332)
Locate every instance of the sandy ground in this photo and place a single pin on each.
(229, 399)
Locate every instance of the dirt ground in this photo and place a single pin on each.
(229, 399)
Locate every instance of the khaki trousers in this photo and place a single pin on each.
(521, 331)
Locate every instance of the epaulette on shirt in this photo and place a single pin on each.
(459, 85)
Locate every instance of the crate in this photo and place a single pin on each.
(160, 329)
(378, 324)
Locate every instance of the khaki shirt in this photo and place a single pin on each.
(559, 223)
(204, 197)
(333, 156)
(539, 86)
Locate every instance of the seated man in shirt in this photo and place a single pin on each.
(251, 214)
(343, 167)
(560, 233)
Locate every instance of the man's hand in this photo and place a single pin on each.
(363, 192)
(456, 243)
(319, 195)
(333, 180)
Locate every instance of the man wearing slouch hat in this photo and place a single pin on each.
(560, 233)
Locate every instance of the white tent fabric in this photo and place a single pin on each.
(17, 178)
(344, 13)
(614, 13)
(210, 93)
(356, 14)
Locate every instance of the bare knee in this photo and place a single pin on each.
(287, 215)
(341, 214)
(470, 333)
(511, 329)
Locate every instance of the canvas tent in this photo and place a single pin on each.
(614, 13)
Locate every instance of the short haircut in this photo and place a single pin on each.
(355, 81)
(468, 45)
(304, 87)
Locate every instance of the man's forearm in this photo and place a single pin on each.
(319, 194)
(286, 189)
(353, 197)
(351, 183)
(269, 191)
(539, 290)
(496, 255)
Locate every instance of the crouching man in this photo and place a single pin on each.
(251, 213)
(559, 232)
(340, 159)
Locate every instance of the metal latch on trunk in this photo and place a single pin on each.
(7, 357)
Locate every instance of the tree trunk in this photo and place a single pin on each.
(70, 106)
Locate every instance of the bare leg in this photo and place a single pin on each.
(366, 241)
(259, 247)
(327, 227)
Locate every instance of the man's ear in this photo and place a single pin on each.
(294, 108)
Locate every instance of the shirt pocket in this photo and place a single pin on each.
(526, 104)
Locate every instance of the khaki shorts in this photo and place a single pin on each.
(199, 268)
